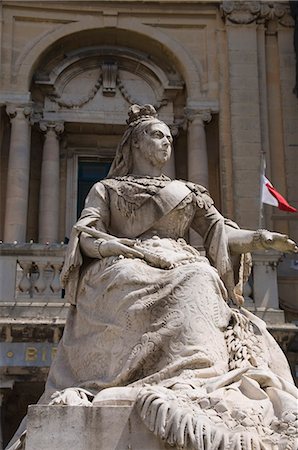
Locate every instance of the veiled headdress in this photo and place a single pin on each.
(139, 117)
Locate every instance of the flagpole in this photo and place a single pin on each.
(261, 205)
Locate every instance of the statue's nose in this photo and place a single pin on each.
(166, 141)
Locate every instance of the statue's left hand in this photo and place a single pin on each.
(276, 241)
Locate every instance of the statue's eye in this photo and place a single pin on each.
(158, 134)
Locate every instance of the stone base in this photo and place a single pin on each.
(89, 428)
(270, 315)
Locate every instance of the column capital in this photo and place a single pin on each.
(19, 110)
(177, 126)
(246, 12)
(203, 115)
(55, 126)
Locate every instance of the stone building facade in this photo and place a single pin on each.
(220, 73)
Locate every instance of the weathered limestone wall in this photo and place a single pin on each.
(245, 122)
(235, 59)
(176, 38)
(268, 83)
(4, 146)
(290, 114)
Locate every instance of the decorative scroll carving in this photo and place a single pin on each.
(109, 77)
(177, 126)
(129, 98)
(247, 12)
(20, 111)
(198, 114)
(57, 127)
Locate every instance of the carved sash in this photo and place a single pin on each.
(159, 205)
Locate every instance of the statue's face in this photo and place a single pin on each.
(155, 143)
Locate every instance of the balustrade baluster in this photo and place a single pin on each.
(41, 284)
(55, 284)
(25, 283)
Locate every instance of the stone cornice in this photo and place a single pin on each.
(246, 12)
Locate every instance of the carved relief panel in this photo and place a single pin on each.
(105, 79)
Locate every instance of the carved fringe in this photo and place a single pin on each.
(188, 427)
(243, 346)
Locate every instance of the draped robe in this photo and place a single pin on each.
(134, 324)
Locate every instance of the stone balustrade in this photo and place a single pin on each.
(30, 283)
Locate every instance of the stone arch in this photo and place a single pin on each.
(118, 72)
(191, 71)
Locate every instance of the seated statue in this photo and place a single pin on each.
(149, 312)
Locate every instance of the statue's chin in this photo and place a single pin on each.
(162, 160)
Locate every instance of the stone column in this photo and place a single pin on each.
(197, 158)
(169, 168)
(18, 173)
(49, 185)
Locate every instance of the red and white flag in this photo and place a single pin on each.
(270, 196)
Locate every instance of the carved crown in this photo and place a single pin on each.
(137, 113)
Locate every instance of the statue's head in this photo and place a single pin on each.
(146, 135)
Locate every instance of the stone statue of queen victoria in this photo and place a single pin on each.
(150, 315)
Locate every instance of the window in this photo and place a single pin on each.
(89, 172)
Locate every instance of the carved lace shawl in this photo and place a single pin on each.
(132, 192)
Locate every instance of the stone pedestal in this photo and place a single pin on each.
(265, 289)
(92, 428)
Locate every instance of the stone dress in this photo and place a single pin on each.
(210, 376)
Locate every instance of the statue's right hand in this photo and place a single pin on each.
(117, 247)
